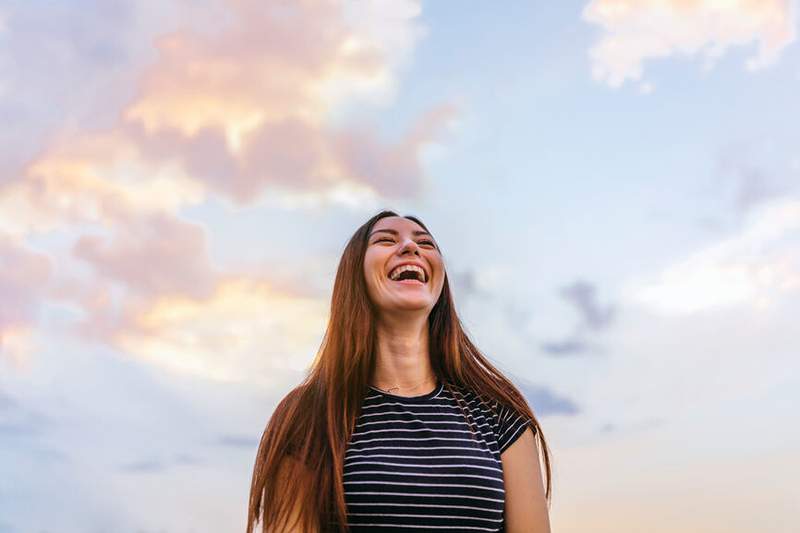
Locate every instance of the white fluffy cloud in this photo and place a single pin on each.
(639, 30)
(751, 268)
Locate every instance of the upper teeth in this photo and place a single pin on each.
(394, 274)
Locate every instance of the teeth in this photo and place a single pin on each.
(394, 274)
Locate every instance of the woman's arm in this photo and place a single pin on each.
(526, 506)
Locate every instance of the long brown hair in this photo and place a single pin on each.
(313, 423)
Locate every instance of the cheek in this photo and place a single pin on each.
(372, 269)
(440, 283)
(438, 266)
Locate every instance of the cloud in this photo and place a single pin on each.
(568, 346)
(24, 431)
(22, 278)
(19, 422)
(186, 459)
(268, 63)
(583, 296)
(395, 171)
(245, 330)
(238, 441)
(92, 179)
(299, 156)
(145, 466)
(6, 402)
(466, 284)
(643, 424)
(150, 465)
(241, 108)
(753, 267)
(593, 317)
(65, 65)
(148, 258)
(112, 455)
(157, 254)
(248, 106)
(752, 173)
(543, 400)
(234, 327)
(85, 68)
(636, 31)
(237, 109)
(754, 189)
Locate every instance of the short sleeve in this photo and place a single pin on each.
(511, 425)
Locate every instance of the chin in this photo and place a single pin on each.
(411, 304)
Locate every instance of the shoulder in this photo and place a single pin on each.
(483, 401)
(512, 425)
(508, 423)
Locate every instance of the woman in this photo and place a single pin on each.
(401, 423)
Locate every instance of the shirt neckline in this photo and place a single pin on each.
(412, 399)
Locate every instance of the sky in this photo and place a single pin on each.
(615, 185)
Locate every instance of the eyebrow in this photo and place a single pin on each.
(395, 232)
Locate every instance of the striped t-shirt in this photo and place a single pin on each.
(413, 464)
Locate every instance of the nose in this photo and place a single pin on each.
(409, 245)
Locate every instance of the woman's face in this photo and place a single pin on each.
(392, 242)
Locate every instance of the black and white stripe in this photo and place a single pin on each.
(416, 463)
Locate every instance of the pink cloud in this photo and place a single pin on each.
(23, 276)
(393, 170)
(240, 108)
(230, 111)
(248, 105)
(158, 254)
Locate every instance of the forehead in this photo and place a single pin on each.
(397, 223)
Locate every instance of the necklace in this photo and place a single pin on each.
(428, 380)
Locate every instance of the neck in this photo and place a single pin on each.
(402, 360)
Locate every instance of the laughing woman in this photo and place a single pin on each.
(401, 424)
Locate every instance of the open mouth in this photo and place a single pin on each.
(408, 275)
(408, 281)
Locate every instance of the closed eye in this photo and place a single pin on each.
(392, 240)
